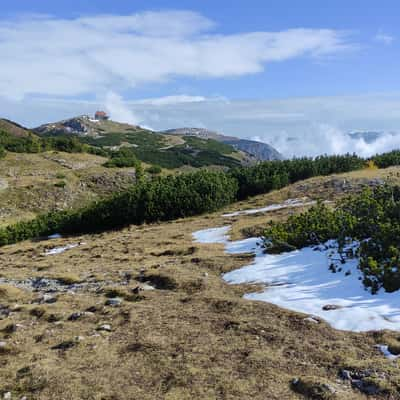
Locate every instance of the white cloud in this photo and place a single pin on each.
(384, 38)
(171, 100)
(60, 57)
(119, 111)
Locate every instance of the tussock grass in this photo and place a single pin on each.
(194, 337)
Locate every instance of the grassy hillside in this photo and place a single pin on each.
(36, 183)
(54, 169)
(13, 128)
(167, 151)
(192, 336)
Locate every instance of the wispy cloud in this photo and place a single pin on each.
(42, 55)
(171, 100)
(119, 111)
(384, 38)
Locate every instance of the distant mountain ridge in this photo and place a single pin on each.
(258, 150)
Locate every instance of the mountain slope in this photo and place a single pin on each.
(181, 334)
(83, 125)
(260, 151)
(168, 151)
(13, 128)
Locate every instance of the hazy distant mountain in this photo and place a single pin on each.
(260, 151)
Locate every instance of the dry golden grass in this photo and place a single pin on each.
(193, 337)
(34, 183)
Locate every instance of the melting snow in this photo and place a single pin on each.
(385, 351)
(301, 281)
(213, 235)
(61, 249)
(291, 203)
(54, 236)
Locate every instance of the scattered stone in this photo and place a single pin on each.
(366, 386)
(7, 396)
(68, 344)
(312, 389)
(75, 316)
(114, 302)
(105, 327)
(136, 290)
(49, 299)
(146, 286)
(4, 311)
(345, 374)
(312, 319)
(53, 318)
(10, 328)
(141, 277)
(126, 275)
(361, 380)
(330, 307)
(3, 347)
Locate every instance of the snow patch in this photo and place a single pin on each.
(61, 249)
(213, 235)
(385, 351)
(291, 203)
(54, 236)
(301, 281)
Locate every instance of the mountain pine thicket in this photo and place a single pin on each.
(371, 218)
(371, 215)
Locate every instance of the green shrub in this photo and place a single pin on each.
(163, 198)
(372, 217)
(154, 170)
(60, 184)
(124, 157)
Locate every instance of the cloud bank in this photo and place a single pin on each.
(43, 55)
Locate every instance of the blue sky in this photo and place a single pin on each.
(65, 56)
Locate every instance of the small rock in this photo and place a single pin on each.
(311, 319)
(135, 290)
(4, 311)
(64, 345)
(366, 387)
(7, 396)
(3, 347)
(105, 327)
(345, 374)
(126, 275)
(146, 286)
(141, 277)
(114, 302)
(49, 299)
(75, 316)
(330, 307)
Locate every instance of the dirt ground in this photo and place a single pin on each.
(143, 313)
